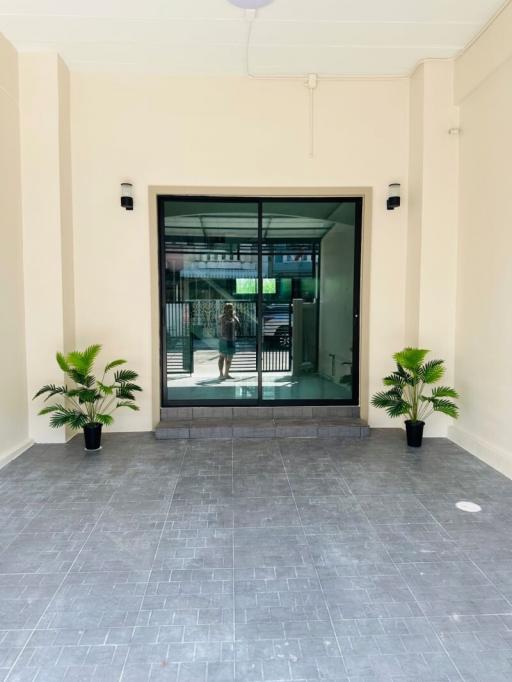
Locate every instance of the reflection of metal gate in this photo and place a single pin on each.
(277, 330)
(180, 352)
(206, 314)
(277, 337)
(244, 360)
(189, 323)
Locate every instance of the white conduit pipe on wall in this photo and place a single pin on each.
(312, 84)
(310, 80)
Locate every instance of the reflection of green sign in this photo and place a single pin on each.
(250, 286)
(245, 286)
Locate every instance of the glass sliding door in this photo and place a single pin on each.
(309, 249)
(209, 251)
(260, 300)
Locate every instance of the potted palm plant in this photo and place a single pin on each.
(406, 393)
(89, 402)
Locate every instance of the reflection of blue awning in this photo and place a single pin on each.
(218, 273)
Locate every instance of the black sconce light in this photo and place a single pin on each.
(394, 196)
(127, 196)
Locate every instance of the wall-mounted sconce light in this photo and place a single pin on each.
(394, 196)
(127, 196)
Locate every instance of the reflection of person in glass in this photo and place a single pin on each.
(228, 324)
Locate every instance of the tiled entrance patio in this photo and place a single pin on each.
(291, 559)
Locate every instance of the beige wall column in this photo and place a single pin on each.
(483, 367)
(432, 236)
(13, 398)
(47, 225)
(415, 206)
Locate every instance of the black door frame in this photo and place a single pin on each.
(258, 202)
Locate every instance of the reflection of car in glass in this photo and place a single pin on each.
(276, 327)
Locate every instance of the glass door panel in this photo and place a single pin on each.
(210, 299)
(309, 253)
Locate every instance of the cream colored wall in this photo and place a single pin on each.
(66, 206)
(483, 370)
(47, 226)
(489, 50)
(415, 201)
(432, 231)
(13, 398)
(214, 133)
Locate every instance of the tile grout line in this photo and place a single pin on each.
(44, 506)
(354, 496)
(342, 658)
(466, 554)
(436, 634)
(438, 523)
(66, 575)
(399, 573)
(335, 452)
(155, 554)
(481, 570)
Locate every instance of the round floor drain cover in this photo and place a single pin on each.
(468, 506)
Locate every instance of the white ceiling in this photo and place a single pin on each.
(208, 37)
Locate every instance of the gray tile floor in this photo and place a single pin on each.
(278, 560)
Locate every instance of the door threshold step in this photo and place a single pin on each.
(343, 427)
(260, 412)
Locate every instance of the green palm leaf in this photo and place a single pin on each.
(400, 408)
(394, 379)
(59, 419)
(125, 375)
(52, 390)
(445, 406)
(65, 417)
(105, 419)
(444, 392)
(84, 395)
(105, 388)
(431, 372)
(61, 361)
(83, 360)
(393, 404)
(130, 386)
(396, 393)
(410, 358)
(80, 378)
(124, 393)
(114, 363)
(51, 408)
(128, 403)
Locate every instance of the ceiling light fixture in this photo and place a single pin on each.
(250, 4)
